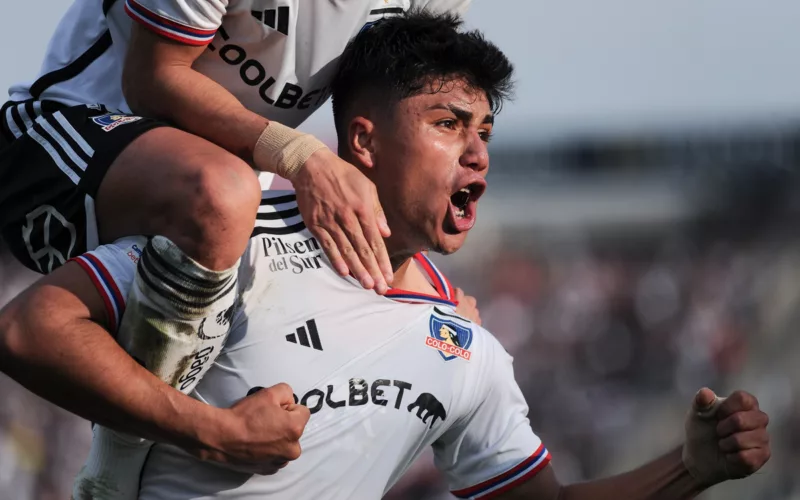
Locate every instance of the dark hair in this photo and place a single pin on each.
(399, 57)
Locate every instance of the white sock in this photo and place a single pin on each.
(178, 314)
(113, 469)
(177, 318)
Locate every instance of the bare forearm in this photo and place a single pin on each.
(195, 103)
(665, 478)
(77, 365)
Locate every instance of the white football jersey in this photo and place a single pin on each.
(276, 56)
(384, 378)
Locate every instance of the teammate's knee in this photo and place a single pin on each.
(205, 201)
(218, 218)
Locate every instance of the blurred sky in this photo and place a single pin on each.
(583, 66)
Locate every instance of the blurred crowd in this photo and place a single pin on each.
(612, 333)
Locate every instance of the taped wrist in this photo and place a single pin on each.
(283, 150)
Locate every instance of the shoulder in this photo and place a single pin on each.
(457, 335)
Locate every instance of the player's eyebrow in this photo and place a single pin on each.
(462, 114)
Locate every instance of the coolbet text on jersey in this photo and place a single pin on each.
(383, 377)
(276, 56)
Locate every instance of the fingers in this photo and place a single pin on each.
(746, 462)
(743, 429)
(269, 470)
(281, 395)
(744, 441)
(331, 250)
(365, 254)
(704, 400)
(340, 206)
(375, 235)
(380, 216)
(266, 429)
(300, 413)
(739, 401)
(742, 422)
(356, 246)
(349, 253)
(467, 306)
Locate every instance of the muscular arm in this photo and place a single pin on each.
(50, 344)
(665, 478)
(158, 81)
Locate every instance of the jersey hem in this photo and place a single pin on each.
(508, 480)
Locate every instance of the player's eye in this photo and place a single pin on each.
(486, 136)
(448, 123)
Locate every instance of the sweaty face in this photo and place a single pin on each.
(430, 166)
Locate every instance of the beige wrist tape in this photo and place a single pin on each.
(283, 150)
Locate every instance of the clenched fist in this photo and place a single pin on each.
(261, 433)
(726, 438)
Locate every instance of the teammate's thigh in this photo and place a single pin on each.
(181, 186)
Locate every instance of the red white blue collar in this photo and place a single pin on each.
(446, 293)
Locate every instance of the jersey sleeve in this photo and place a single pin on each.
(112, 269)
(193, 22)
(493, 448)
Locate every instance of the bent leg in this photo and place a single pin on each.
(199, 203)
(171, 183)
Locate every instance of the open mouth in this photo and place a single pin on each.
(463, 206)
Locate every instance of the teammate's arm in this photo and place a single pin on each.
(51, 343)
(158, 81)
(338, 203)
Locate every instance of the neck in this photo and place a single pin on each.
(400, 251)
(409, 276)
(400, 261)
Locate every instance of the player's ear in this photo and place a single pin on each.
(361, 141)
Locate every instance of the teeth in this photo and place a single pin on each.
(464, 190)
(460, 212)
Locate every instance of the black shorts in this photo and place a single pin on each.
(53, 158)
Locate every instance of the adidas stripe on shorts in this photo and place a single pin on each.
(53, 158)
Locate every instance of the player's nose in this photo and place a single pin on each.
(476, 154)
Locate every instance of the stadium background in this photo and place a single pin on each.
(637, 241)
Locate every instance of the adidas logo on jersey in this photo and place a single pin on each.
(268, 17)
(302, 336)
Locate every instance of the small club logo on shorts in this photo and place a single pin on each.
(110, 121)
(449, 337)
